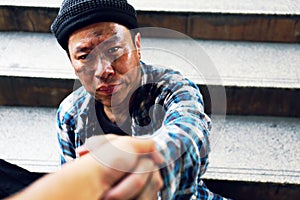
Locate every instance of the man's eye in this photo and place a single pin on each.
(113, 50)
(82, 57)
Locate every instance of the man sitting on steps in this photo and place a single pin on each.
(121, 95)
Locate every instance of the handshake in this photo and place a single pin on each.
(109, 167)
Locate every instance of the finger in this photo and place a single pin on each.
(147, 146)
(134, 183)
(152, 188)
(157, 157)
(140, 146)
(95, 142)
(92, 143)
(143, 145)
(126, 143)
(122, 153)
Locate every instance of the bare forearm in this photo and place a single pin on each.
(96, 173)
(73, 181)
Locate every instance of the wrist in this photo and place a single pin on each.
(93, 172)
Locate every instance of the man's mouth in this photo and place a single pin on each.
(107, 90)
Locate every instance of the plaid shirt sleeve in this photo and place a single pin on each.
(68, 124)
(184, 140)
(65, 124)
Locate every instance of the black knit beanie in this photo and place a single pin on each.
(76, 14)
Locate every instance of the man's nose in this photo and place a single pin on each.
(104, 69)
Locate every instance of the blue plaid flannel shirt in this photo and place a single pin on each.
(181, 133)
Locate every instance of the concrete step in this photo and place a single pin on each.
(283, 7)
(272, 21)
(258, 78)
(28, 138)
(250, 149)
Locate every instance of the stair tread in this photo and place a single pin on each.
(244, 64)
(286, 7)
(243, 148)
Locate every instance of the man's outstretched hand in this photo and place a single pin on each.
(128, 165)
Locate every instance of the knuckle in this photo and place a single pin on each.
(158, 181)
(140, 181)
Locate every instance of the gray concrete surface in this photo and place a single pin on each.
(245, 148)
(205, 62)
(28, 138)
(252, 148)
(221, 6)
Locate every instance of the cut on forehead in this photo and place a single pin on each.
(102, 28)
(99, 31)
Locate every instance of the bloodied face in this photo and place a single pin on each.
(106, 59)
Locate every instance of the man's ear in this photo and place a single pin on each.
(137, 42)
